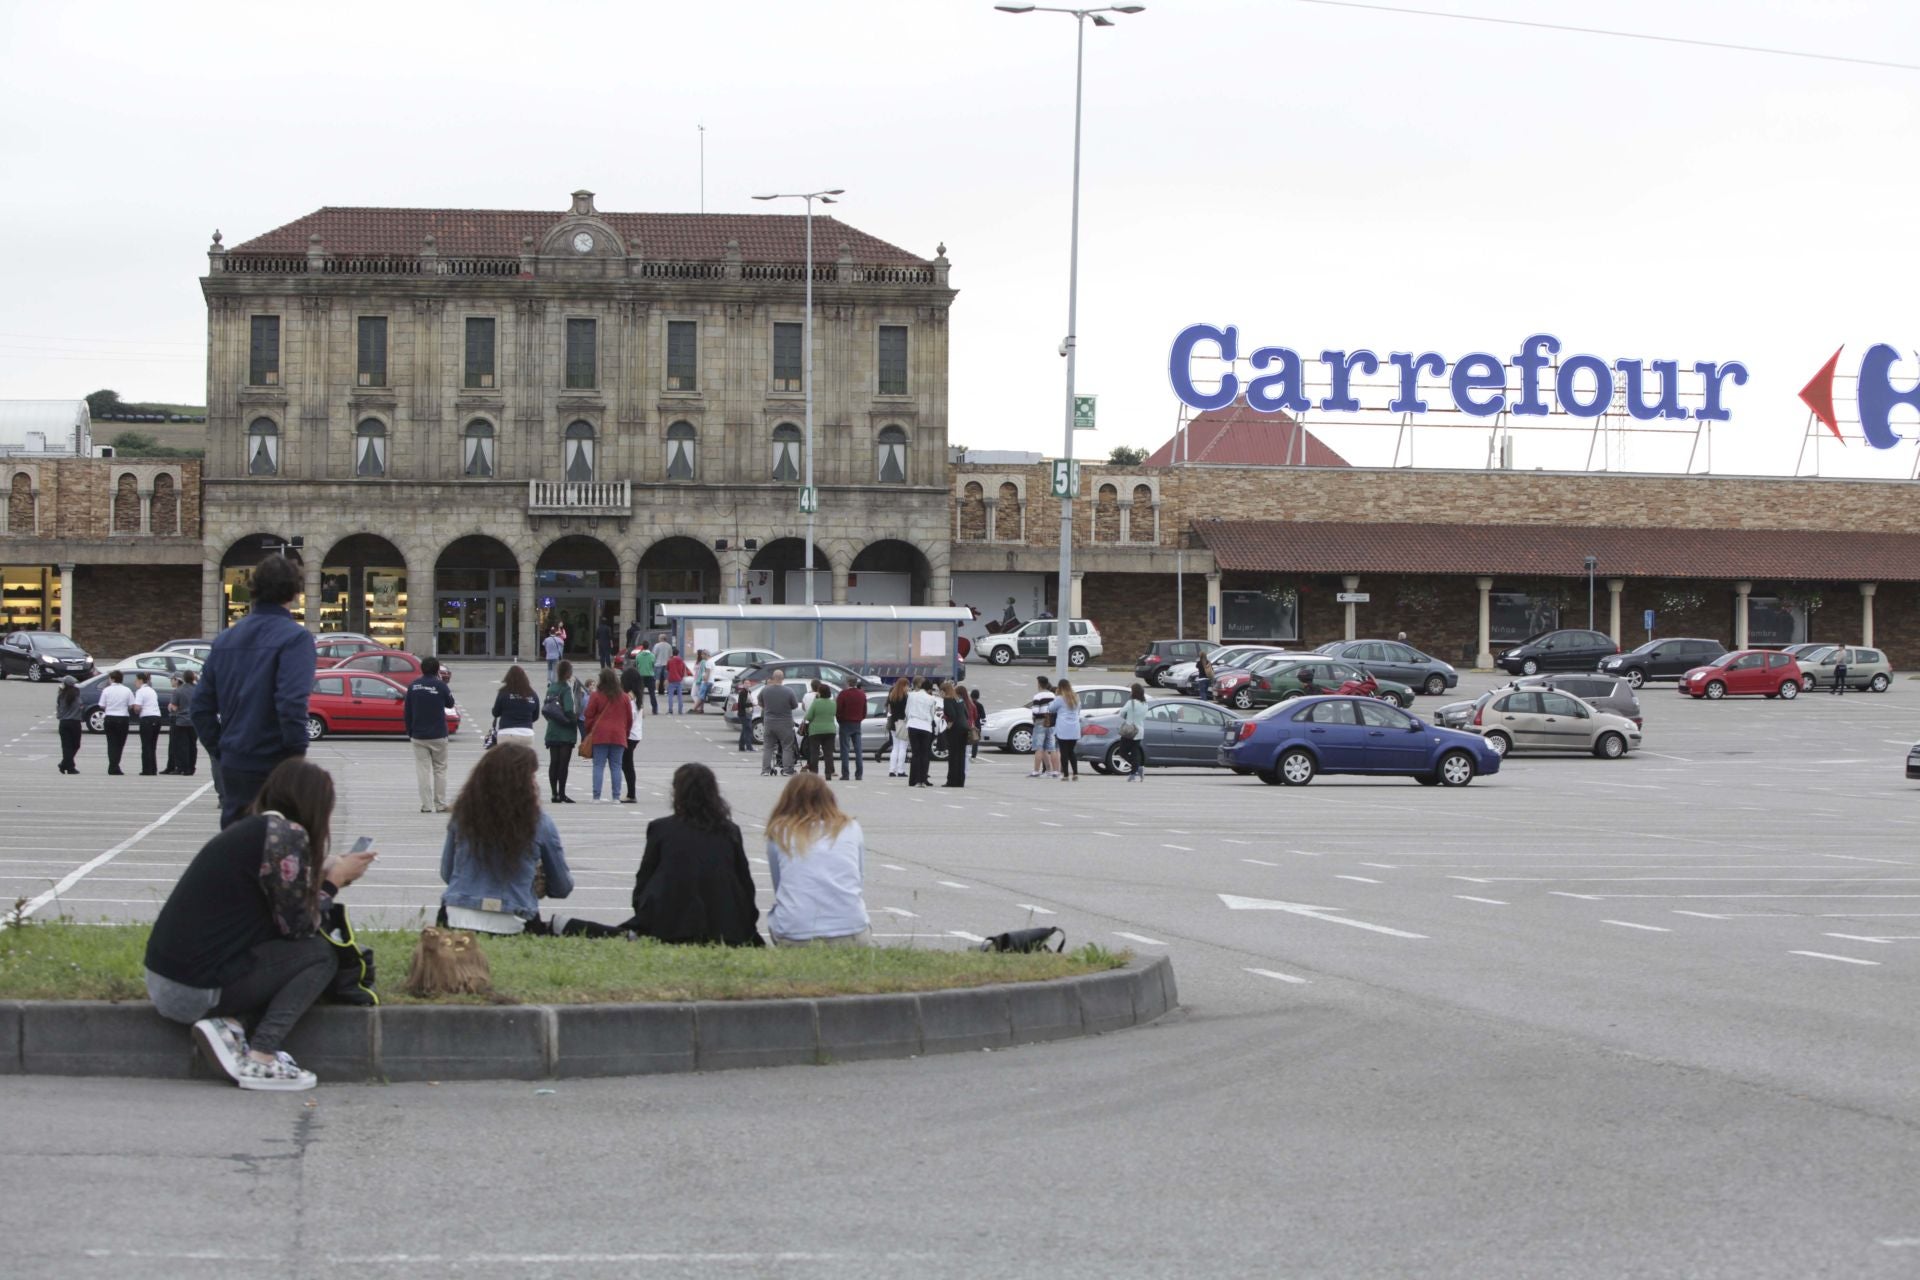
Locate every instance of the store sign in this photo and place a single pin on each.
(1580, 385)
(1875, 392)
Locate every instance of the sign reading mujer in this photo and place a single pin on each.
(1581, 385)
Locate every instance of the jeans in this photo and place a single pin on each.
(116, 741)
(606, 756)
(69, 742)
(559, 760)
(781, 751)
(283, 979)
(149, 746)
(676, 697)
(897, 759)
(238, 787)
(850, 742)
(430, 771)
(746, 731)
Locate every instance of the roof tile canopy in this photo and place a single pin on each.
(1236, 436)
(1543, 550)
(497, 233)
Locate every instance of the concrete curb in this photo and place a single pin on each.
(397, 1043)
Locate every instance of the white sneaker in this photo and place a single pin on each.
(1034, 774)
(282, 1075)
(224, 1041)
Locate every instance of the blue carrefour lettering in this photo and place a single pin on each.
(1531, 360)
(1410, 365)
(1479, 372)
(1277, 391)
(1711, 376)
(1340, 365)
(1878, 398)
(1637, 406)
(1180, 366)
(1565, 389)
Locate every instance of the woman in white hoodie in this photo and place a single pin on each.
(922, 708)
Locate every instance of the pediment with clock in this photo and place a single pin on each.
(583, 245)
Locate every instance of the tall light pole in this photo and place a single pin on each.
(1593, 562)
(1063, 614)
(806, 376)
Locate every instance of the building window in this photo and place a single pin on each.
(891, 456)
(893, 359)
(263, 359)
(373, 351)
(370, 449)
(581, 336)
(683, 363)
(263, 448)
(479, 450)
(577, 452)
(786, 453)
(786, 357)
(682, 441)
(480, 351)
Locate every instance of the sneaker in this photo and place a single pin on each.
(630, 800)
(282, 1075)
(224, 1041)
(441, 808)
(426, 808)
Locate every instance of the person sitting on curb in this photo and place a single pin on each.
(817, 857)
(502, 854)
(237, 951)
(694, 884)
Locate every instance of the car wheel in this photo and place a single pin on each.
(316, 728)
(1529, 668)
(1636, 677)
(1160, 678)
(759, 733)
(1269, 776)
(1880, 683)
(1610, 747)
(36, 672)
(1243, 699)
(96, 721)
(1427, 779)
(1436, 685)
(1404, 701)
(1716, 689)
(1807, 683)
(1076, 657)
(940, 750)
(1100, 767)
(1020, 741)
(1500, 743)
(1241, 770)
(1455, 769)
(1118, 763)
(1000, 656)
(1296, 768)
(1789, 689)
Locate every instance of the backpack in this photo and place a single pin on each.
(353, 980)
(555, 708)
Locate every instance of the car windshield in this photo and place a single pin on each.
(1724, 659)
(1818, 654)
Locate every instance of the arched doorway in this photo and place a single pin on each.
(577, 582)
(678, 570)
(889, 572)
(476, 600)
(236, 576)
(363, 588)
(774, 576)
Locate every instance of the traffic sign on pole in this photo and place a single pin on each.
(1066, 484)
(1083, 413)
(809, 499)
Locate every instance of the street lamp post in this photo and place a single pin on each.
(1593, 562)
(1063, 625)
(806, 375)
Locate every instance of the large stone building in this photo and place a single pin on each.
(473, 421)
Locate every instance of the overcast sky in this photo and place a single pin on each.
(1322, 177)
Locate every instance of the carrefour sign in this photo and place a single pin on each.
(1580, 385)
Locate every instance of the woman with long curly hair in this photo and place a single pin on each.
(694, 883)
(499, 844)
(817, 857)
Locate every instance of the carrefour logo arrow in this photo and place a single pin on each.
(1236, 903)
(1818, 395)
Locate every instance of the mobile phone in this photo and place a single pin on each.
(361, 845)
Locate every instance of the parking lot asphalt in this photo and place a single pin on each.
(1653, 1016)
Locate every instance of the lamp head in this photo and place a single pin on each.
(1101, 20)
(766, 197)
(837, 191)
(1128, 8)
(1014, 8)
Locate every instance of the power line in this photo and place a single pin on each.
(1620, 35)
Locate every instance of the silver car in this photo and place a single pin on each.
(1011, 729)
(1540, 719)
(1611, 694)
(1179, 732)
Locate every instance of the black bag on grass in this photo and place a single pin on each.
(1025, 940)
(353, 980)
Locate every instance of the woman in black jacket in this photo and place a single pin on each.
(959, 713)
(694, 884)
(516, 708)
(66, 706)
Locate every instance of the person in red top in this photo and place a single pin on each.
(849, 710)
(608, 720)
(676, 685)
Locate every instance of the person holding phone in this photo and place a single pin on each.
(237, 951)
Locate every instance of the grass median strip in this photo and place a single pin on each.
(61, 961)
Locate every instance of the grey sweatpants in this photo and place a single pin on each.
(782, 750)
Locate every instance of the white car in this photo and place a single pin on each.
(168, 660)
(1040, 640)
(728, 664)
(1012, 729)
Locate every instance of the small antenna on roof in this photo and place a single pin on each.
(703, 167)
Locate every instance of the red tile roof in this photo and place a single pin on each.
(496, 233)
(1544, 550)
(1236, 436)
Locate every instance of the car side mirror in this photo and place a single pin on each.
(1416, 727)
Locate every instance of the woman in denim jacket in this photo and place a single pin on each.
(502, 854)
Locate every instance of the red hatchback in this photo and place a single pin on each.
(395, 664)
(1769, 673)
(331, 651)
(356, 702)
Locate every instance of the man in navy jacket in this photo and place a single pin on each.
(428, 700)
(251, 709)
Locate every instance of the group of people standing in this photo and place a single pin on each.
(125, 712)
(916, 716)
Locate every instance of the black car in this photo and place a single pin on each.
(1667, 659)
(43, 655)
(1392, 660)
(90, 691)
(1570, 649)
(1162, 655)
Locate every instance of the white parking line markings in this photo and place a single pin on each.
(893, 866)
(897, 911)
(962, 933)
(1039, 911)
(1584, 897)
(1704, 915)
(1277, 977)
(1492, 902)
(1384, 866)
(1855, 937)
(1138, 937)
(1361, 879)
(1628, 924)
(1821, 955)
(1258, 863)
(1181, 847)
(951, 884)
(1304, 853)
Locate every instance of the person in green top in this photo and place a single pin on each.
(822, 726)
(1135, 713)
(563, 731)
(643, 667)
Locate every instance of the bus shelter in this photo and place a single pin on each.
(882, 640)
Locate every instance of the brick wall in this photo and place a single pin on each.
(1133, 609)
(120, 610)
(78, 498)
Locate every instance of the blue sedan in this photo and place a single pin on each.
(1291, 742)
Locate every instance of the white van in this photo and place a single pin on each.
(1040, 640)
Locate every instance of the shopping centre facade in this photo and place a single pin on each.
(472, 422)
